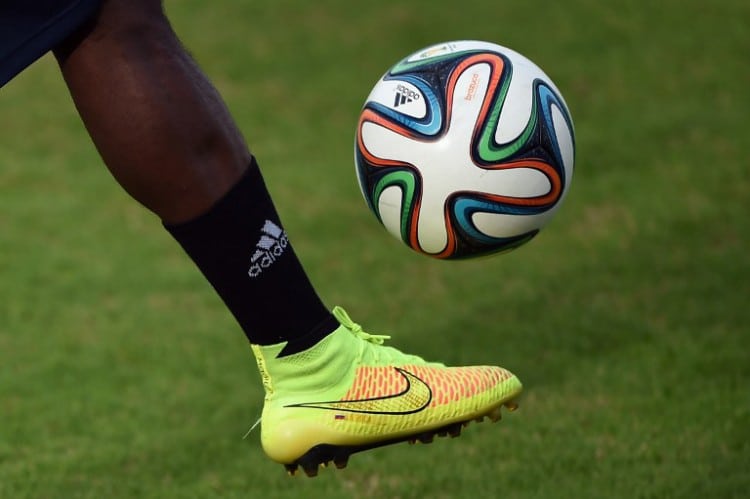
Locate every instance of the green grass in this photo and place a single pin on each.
(121, 374)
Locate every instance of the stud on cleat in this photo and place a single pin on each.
(291, 469)
(426, 438)
(310, 470)
(341, 461)
(511, 405)
(495, 415)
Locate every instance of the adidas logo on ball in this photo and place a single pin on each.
(271, 245)
(404, 96)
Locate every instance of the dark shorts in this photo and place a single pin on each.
(31, 28)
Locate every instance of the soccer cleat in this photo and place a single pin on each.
(350, 393)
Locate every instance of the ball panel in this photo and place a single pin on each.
(409, 101)
(565, 142)
(391, 208)
(401, 96)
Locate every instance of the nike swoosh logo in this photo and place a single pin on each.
(414, 398)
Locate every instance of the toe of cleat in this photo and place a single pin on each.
(322, 455)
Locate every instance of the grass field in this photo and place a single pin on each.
(628, 318)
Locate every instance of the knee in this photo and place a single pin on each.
(128, 24)
(131, 20)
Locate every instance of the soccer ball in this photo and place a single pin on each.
(464, 149)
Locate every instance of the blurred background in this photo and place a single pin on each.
(122, 375)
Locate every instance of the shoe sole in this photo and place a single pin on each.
(322, 455)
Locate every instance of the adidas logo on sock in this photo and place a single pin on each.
(271, 245)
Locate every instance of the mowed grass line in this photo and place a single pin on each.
(122, 375)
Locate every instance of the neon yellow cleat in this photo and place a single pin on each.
(349, 393)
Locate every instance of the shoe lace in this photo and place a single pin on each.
(375, 339)
(356, 329)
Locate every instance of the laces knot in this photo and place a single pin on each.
(356, 329)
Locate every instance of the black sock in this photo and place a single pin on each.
(242, 250)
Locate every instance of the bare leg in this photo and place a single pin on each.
(167, 137)
(159, 125)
